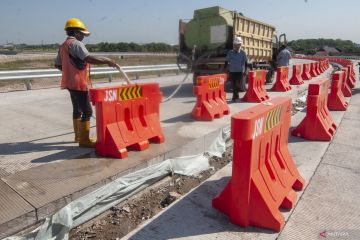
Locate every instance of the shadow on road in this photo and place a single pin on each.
(44, 149)
(31, 147)
(356, 91)
(185, 118)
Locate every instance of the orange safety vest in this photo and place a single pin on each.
(72, 78)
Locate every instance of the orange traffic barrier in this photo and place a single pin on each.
(321, 66)
(256, 91)
(211, 100)
(318, 123)
(306, 72)
(337, 101)
(341, 61)
(263, 173)
(317, 68)
(282, 80)
(323, 62)
(345, 88)
(316, 64)
(313, 72)
(126, 117)
(324, 65)
(351, 77)
(296, 77)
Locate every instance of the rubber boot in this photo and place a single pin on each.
(76, 123)
(84, 130)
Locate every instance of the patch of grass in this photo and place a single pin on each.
(125, 61)
(27, 64)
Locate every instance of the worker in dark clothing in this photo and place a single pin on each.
(237, 61)
(273, 66)
(74, 61)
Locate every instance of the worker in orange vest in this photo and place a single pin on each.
(74, 61)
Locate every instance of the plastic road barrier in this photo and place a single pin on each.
(324, 65)
(337, 101)
(351, 76)
(317, 68)
(345, 88)
(256, 91)
(126, 117)
(264, 175)
(296, 77)
(282, 80)
(211, 100)
(318, 123)
(306, 72)
(313, 72)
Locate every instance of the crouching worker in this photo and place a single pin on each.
(74, 61)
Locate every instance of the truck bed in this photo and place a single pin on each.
(257, 38)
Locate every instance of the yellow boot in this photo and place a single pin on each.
(84, 130)
(76, 123)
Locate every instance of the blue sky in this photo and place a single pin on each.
(42, 21)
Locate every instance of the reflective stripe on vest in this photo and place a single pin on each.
(72, 78)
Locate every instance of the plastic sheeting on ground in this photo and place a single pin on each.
(218, 146)
(89, 206)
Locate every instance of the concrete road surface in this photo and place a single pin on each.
(42, 170)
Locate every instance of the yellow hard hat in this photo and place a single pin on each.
(77, 23)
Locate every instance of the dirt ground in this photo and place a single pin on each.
(123, 218)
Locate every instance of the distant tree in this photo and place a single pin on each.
(122, 47)
(175, 48)
(310, 52)
(157, 47)
(311, 45)
(108, 47)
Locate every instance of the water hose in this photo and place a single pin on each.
(187, 72)
(127, 79)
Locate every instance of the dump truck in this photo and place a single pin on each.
(207, 38)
